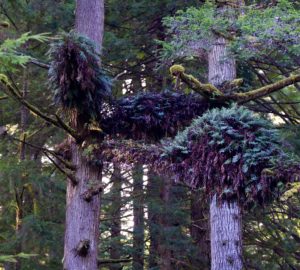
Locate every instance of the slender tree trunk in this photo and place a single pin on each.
(138, 219)
(225, 219)
(153, 200)
(19, 191)
(82, 215)
(226, 235)
(199, 230)
(115, 213)
(164, 250)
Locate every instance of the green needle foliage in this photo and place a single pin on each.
(254, 31)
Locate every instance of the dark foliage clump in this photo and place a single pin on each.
(231, 153)
(76, 78)
(152, 116)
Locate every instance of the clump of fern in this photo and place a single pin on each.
(232, 153)
(76, 77)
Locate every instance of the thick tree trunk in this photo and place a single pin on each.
(82, 214)
(115, 213)
(226, 235)
(138, 219)
(225, 219)
(90, 20)
(221, 66)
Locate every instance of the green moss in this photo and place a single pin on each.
(176, 69)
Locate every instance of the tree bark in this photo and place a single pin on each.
(82, 212)
(226, 235)
(138, 219)
(82, 216)
(225, 219)
(90, 20)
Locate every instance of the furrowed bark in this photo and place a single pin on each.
(82, 215)
(225, 220)
(226, 239)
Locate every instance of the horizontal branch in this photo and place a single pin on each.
(56, 122)
(113, 261)
(39, 63)
(3, 97)
(206, 90)
(209, 91)
(265, 90)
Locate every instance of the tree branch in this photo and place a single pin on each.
(69, 175)
(206, 90)
(4, 97)
(112, 261)
(265, 90)
(58, 123)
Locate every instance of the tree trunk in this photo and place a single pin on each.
(90, 20)
(115, 213)
(199, 230)
(82, 215)
(165, 222)
(153, 203)
(138, 219)
(225, 219)
(19, 192)
(226, 235)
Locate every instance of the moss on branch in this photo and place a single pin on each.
(209, 91)
(206, 90)
(265, 90)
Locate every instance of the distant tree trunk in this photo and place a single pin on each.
(153, 200)
(199, 230)
(82, 216)
(115, 213)
(138, 219)
(225, 219)
(163, 247)
(19, 191)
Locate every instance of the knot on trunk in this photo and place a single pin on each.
(83, 247)
(93, 190)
